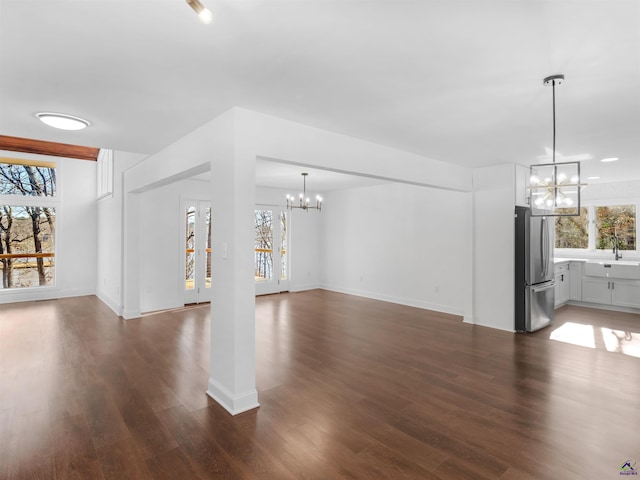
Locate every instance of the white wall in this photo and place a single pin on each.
(161, 237)
(521, 192)
(399, 243)
(109, 235)
(494, 247)
(307, 256)
(76, 231)
(623, 191)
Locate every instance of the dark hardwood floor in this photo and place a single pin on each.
(350, 388)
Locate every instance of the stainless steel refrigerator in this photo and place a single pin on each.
(534, 274)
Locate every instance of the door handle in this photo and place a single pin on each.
(543, 246)
(542, 289)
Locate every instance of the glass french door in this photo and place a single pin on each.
(271, 267)
(197, 251)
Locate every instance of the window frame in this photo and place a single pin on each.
(104, 174)
(54, 202)
(591, 250)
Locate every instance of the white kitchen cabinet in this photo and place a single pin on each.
(611, 291)
(625, 293)
(596, 290)
(575, 281)
(563, 289)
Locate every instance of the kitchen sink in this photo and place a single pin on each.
(612, 269)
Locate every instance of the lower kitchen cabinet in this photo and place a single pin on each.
(596, 290)
(575, 281)
(626, 293)
(611, 291)
(563, 290)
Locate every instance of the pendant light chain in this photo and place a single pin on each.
(554, 188)
(553, 88)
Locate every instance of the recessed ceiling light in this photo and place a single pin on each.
(593, 178)
(62, 121)
(611, 159)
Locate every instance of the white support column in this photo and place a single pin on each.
(130, 257)
(468, 275)
(232, 380)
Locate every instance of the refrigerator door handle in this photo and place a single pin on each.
(543, 250)
(543, 288)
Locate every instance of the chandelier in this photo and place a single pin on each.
(555, 187)
(303, 200)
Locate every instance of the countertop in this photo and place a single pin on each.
(557, 261)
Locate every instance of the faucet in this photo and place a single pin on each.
(616, 247)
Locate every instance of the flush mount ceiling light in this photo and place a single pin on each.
(203, 13)
(62, 121)
(555, 187)
(303, 200)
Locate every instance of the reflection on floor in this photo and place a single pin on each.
(617, 332)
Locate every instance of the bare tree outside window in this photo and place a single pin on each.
(618, 221)
(283, 245)
(27, 232)
(572, 232)
(190, 244)
(263, 245)
(29, 180)
(27, 250)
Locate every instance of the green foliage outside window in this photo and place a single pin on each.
(620, 221)
(572, 232)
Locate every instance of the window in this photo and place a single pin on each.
(27, 177)
(572, 232)
(105, 173)
(27, 222)
(263, 245)
(616, 221)
(596, 227)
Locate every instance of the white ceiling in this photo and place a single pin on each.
(458, 81)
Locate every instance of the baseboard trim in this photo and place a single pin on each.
(131, 314)
(117, 309)
(601, 306)
(399, 300)
(42, 293)
(234, 404)
(303, 288)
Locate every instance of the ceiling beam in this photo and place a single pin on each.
(41, 147)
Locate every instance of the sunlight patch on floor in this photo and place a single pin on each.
(618, 341)
(575, 333)
(621, 341)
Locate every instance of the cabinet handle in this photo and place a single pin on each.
(608, 285)
(613, 285)
(562, 277)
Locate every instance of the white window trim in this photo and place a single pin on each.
(591, 250)
(104, 174)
